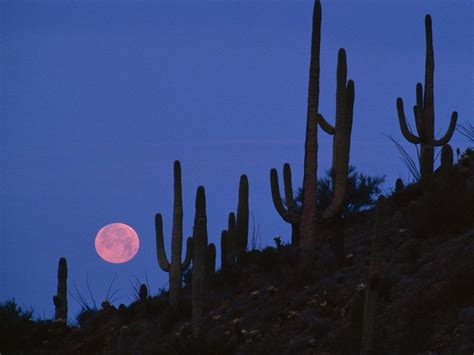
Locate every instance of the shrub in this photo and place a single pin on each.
(361, 192)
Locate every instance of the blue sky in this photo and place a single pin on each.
(98, 98)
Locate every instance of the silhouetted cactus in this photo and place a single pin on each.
(374, 279)
(229, 237)
(291, 214)
(124, 345)
(341, 133)
(446, 168)
(176, 267)
(242, 227)
(200, 252)
(424, 115)
(143, 292)
(224, 250)
(310, 186)
(60, 299)
(399, 186)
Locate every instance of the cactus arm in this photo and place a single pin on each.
(325, 125)
(410, 137)
(288, 185)
(452, 127)
(160, 247)
(418, 110)
(277, 202)
(189, 254)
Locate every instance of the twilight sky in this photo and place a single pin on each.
(98, 98)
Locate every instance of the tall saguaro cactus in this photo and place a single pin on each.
(200, 253)
(310, 186)
(375, 276)
(176, 267)
(60, 299)
(424, 114)
(291, 214)
(341, 133)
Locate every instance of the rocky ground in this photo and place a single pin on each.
(272, 306)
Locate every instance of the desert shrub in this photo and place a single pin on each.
(11, 314)
(361, 191)
(86, 316)
(16, 326)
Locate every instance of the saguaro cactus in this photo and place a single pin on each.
(424, 114)
(446, 168)
(60, 299)
(176, 267)
(143, 292)
(242, 227)
(310, 186)
(341, 133)
(375, 275)
(291, 214)
(200, 253)
(229, 242)
(224, 250)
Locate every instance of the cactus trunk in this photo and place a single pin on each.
(310, 187)
(290, 214)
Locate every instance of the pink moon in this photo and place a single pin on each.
(117, 243)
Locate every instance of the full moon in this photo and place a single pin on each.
(117, 243)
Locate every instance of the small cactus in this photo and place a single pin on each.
(199, 261)
(143, 292)
(242, 225)
(446, 168)
(229, 237)
(399, 186)
(224, 250)
(60, 299)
